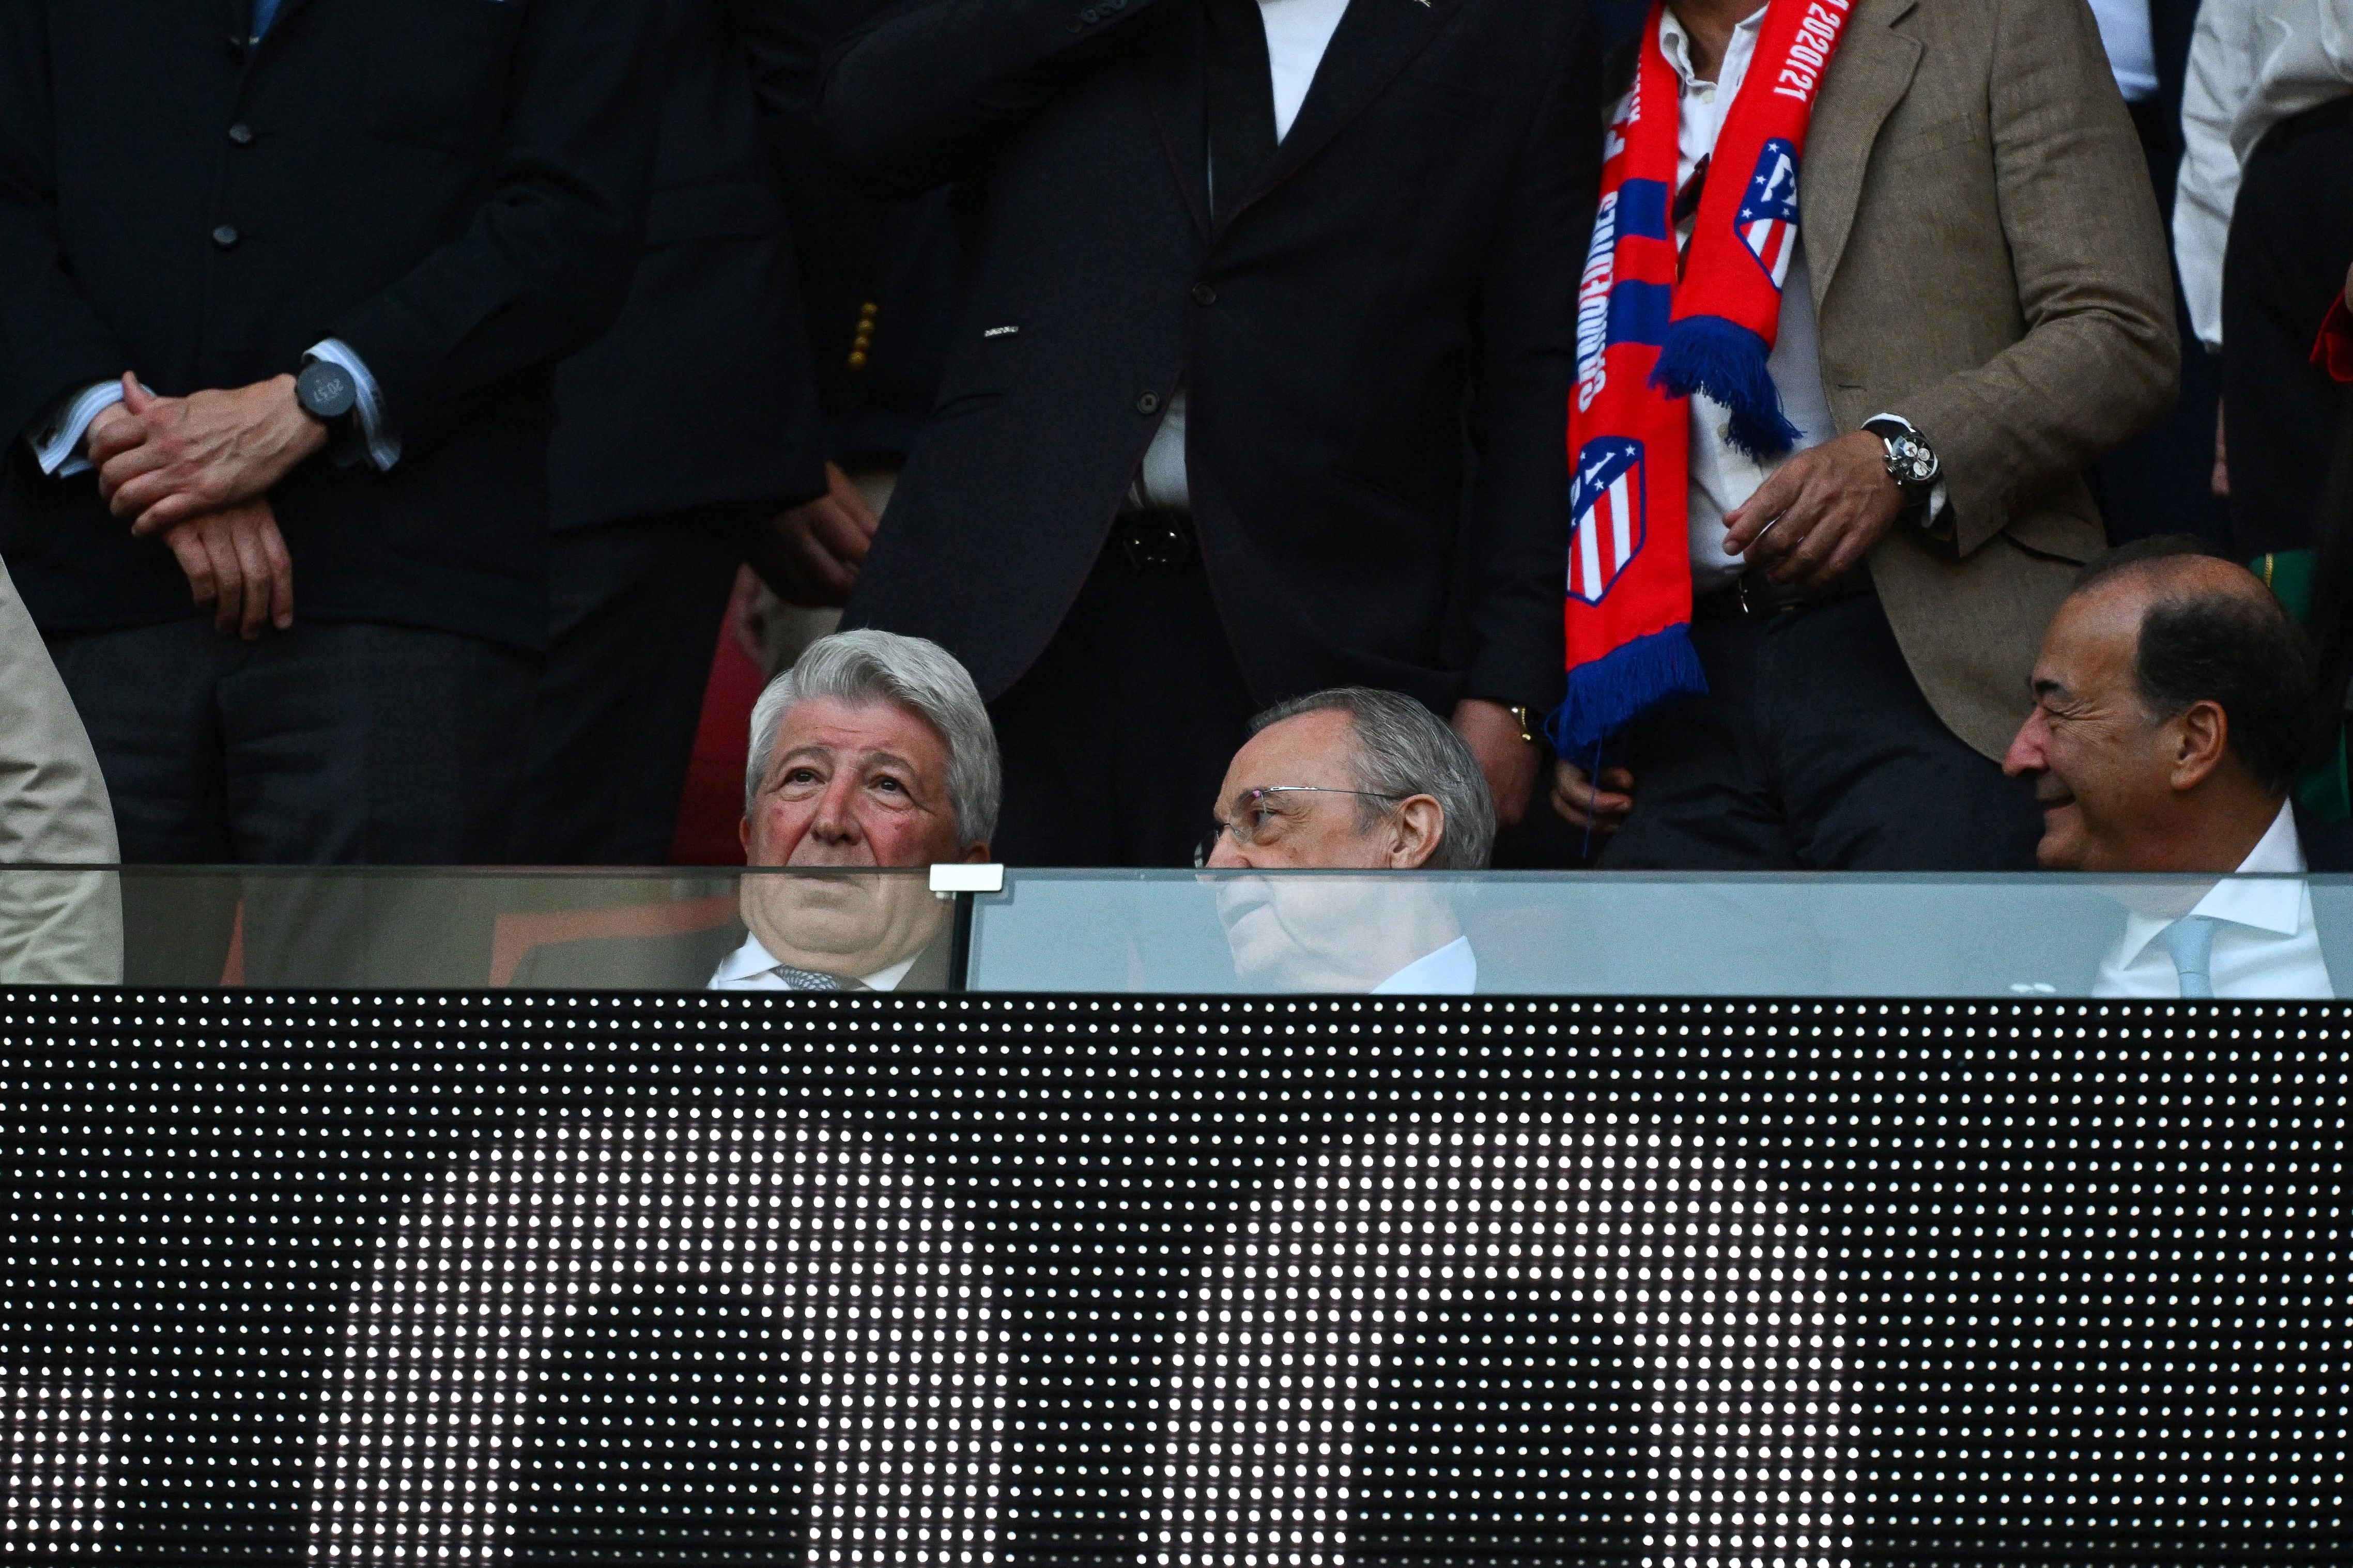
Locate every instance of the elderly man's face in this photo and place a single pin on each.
(1303, 829)
(1323, 933)
(2102, 769)
(848, 786)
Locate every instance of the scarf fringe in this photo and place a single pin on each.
(1729, 363)
(1606, 693)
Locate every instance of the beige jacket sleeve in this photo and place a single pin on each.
(2099, 360)
(57, 928)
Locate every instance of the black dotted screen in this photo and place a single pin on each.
(973, 1280)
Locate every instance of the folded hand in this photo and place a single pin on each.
(167, 459)
(235, 560)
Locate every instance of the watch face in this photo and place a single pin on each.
(326, 390)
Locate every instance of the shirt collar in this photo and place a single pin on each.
(2257, 895)
(1452, 971)
(752, 959)
(1675, 43)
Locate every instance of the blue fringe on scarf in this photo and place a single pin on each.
(1727, 362)
(1605, 695)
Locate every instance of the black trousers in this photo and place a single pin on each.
(1116, 740)
(638, 609)
(2291, 238)
(1813, 750)
(324, 744)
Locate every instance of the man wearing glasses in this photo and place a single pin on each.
(1349, 779)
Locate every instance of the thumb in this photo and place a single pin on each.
(135, 396)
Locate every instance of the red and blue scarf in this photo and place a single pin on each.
(1654, 327)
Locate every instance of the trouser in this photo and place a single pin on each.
(327, 744)
(1813, 750)
(2291, 240)
(1116, 740)
(638, 611)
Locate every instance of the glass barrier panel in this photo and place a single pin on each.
(1175, 932)
(650, 929)
(1543, 933)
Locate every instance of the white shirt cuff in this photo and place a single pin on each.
(381, 440)
(57, 445)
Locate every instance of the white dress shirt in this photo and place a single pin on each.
(2131, 47)
(1723, 476)
(751, 967)
(1452, 971)
(1297, 34)
(2265, 946)
(2252, 64)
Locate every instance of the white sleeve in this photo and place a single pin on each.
(2221, 75)
(57, 440)
(382, 441)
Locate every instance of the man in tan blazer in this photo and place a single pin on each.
(1982, 280)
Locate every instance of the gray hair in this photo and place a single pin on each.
(1403, 749)
(863, 668)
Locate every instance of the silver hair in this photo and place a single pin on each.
(866, 667)
(1402, 749)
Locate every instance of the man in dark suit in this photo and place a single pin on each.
(680, 433)
(293, 276)
(1261, 367)
(2173, 707)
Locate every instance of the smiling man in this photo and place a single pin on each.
(1349, 780)
(2173, 708)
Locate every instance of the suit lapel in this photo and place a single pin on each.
(1375, 41)
(1174, 88)
(1867, 79)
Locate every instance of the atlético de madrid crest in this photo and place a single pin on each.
(1769, 213)
(1604, 515)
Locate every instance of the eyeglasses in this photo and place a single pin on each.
(1261, 815)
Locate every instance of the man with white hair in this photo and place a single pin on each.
(1349, 779)
(873, 753)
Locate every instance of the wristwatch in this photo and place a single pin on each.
(1911, 463)
(326, 391)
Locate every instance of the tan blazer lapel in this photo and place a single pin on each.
(1868, 77)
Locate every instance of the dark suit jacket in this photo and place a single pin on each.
(684, 962)
(878, 275)
(704, 391)
(452, 187)
(1391, 307)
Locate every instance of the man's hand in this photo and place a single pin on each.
(810, 555)
(235, 560)
(199, 453)
(1582, 805)
(1493, 733)
(1818, 513)
(2219, 481)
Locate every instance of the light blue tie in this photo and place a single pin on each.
(2190, 940)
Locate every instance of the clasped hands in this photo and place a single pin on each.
(196, 471)
(1811, 522)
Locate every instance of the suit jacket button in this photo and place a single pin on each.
(1204, 295)
(225, 237)
(242, 134)
(1090, 14)
(1148, 403)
